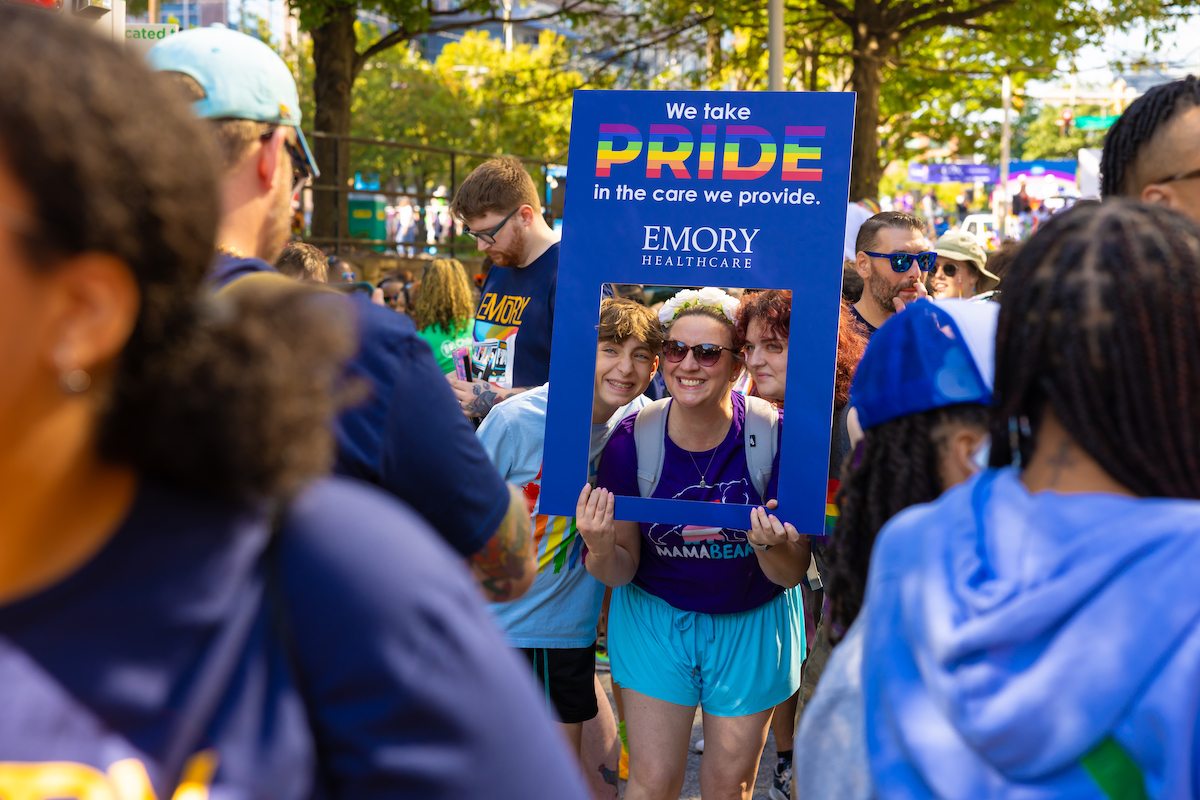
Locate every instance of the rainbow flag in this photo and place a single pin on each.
(831, 509)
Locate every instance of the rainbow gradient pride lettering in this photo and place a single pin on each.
(606, 156)
(793, 152)
(734, 134)
(801, 143)
(656, 158)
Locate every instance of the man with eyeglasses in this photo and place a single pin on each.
(892, 257)
(498, 205)
(408, 435)
(1152, 152)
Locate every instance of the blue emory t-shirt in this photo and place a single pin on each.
(409, 435)
(513, 323)
(694, 568)
(161, 660)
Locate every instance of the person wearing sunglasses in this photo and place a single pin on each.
(698, 615)
(961, 269)
(1152, 151)
(499, 207)
(892, 258)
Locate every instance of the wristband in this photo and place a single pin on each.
(763, 547)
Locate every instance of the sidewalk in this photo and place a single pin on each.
(691, 781)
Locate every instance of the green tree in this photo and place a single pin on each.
(1044, 137)
(340, 56)
(918, 66)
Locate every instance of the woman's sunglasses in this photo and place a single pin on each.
(948, 269)
(902, 262)
(706, 354)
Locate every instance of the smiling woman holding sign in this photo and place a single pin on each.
(702, 615)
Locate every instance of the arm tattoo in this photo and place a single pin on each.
(486, 396)
(503, 560)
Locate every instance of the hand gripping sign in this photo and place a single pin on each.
(727, 189)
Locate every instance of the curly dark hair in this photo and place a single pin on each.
(1137, 126)
(774, 308)
(1101, 323)
(896, 465)
(226, 396)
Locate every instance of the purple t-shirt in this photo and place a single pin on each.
(710, 570)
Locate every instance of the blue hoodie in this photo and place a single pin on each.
(1009, 634)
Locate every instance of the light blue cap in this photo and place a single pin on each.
(242, 78)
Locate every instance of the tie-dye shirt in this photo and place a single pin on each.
(561, 607)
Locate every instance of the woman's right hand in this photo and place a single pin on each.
(594, 519)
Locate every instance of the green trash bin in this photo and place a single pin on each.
(368, 217)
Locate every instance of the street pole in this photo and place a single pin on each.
(152, 11)
(508, 28)
(1005, 154)
(775, 45)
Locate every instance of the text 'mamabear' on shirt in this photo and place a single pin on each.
(696, 568)
(408, 435)
(514, 321)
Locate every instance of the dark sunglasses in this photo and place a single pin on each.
(902, 262)
(948, 269)
(1181, 176)
(706, 354)
(301, 174)
(490, 235)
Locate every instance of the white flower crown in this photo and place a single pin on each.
(690, 298)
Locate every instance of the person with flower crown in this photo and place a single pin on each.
(699, 615)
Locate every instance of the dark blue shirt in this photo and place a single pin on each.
(409, 436)
(513, 323)
(164, 655)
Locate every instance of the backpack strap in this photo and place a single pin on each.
(649, 431)
(762, 434)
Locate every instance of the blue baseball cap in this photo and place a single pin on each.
(932, 354)
(242, 78)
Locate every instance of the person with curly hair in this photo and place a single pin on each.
(444, 310)
(186, 606)
(919, 394)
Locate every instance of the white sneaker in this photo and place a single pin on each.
(699, 748)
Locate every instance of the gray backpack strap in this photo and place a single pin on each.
(762, 436)
(649, 431)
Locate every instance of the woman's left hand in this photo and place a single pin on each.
(767, 531)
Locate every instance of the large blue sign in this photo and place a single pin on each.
(727, 189)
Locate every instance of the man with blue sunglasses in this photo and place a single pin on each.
(892, 258)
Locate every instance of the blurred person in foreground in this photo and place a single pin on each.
(175, 589)
(920, 394)
(443, 310)
(499, 207)
(1036, 631)
(408, 435)
(303, 262)
(892, 258)
(961, 269)
(1152, 152)
(764, 324)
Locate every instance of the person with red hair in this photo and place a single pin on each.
(763, 323)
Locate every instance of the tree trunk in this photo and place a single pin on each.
(866, 79)
(335, 57)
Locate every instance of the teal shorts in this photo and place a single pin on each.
(733, 665)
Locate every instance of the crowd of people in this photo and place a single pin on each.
(266, 538)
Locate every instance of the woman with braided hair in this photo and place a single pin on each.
(919, 395)
(1035, 632)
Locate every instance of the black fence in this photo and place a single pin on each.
(427, 165)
